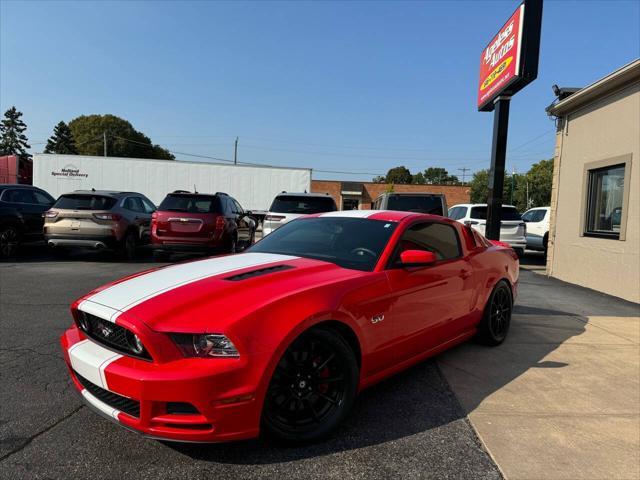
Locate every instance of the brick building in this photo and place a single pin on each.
(361, 195)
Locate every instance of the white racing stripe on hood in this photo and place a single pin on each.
(125, 295)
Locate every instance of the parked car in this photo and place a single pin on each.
(99, 219)
(288, 206)
(537, 220)
(432, 203)
(203, 223)
(282, 337)
(512, 229)
(21, 208)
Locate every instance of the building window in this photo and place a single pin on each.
(605, 195)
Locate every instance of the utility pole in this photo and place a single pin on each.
(235, 153)
(464, 171)
(104, 139)
(513, 176)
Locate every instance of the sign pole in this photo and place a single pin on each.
(498, 160)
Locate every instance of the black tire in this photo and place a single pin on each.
(519, 252)
(161, 256)
(9, 240)
(545, 243)
(232, 245)
(496, 320)
(127, 248)
(312, 389)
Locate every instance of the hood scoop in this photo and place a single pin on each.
(258, 272)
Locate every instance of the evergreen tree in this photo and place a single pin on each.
(13, 141)
(61, 141)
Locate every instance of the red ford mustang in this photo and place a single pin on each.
(282, 337)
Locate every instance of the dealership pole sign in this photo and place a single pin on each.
(510, 60)
(508, 63)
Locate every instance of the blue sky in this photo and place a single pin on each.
(351, 86)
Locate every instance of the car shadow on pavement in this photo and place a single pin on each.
(415, 401)
(420, 400)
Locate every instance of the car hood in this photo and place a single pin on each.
(208, 295)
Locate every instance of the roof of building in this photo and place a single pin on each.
(624, 76)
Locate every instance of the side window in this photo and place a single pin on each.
(528, 216)
(539, 215)
(19, 196)
(438, 238)
(42, 199)
(134, 204)
(239, 209)
(229, 208)
(148, 206)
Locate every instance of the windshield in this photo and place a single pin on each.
(302, 204)
(355, 243)
(416, 203)
(190, 204)
(508, 213)
(85, 202)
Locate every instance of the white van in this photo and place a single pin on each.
(537, 220)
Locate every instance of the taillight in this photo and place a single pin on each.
(50, 214)
(219, 222)
(524, 227)
(274, 218)
(108, 216)
(498, 243)
(154, 216)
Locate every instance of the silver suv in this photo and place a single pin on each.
(288, 206)
(99, 219)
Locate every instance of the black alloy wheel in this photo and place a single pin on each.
(9, 241)
(496, 320)
(128, 246)
(312, 388)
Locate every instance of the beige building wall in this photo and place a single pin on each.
(606, 128)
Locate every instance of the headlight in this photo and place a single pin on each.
(205, 346)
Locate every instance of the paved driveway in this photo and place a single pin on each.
(560, 399)
(410, 426)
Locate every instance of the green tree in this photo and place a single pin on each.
(379, 179)
(534, 188)
(479, 187)
(61, 141)
(400, 175)
(439, 175)
(419, 179)
(13, 141)
(122, 139)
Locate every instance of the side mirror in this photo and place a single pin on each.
(417, 258)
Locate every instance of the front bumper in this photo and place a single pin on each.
(140, 394)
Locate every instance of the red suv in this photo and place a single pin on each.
(203, 223)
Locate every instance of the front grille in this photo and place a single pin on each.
(123, 404)
(110, 335)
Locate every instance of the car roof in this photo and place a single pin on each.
(104, 193)
(384, 215)
(18, 185)
(303, 194)
(476, 205)
(412, 194)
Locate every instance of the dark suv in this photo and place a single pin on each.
(21, 209)
(203, 223)
(432, 203)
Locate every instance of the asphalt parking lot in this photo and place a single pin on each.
(410, 426)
